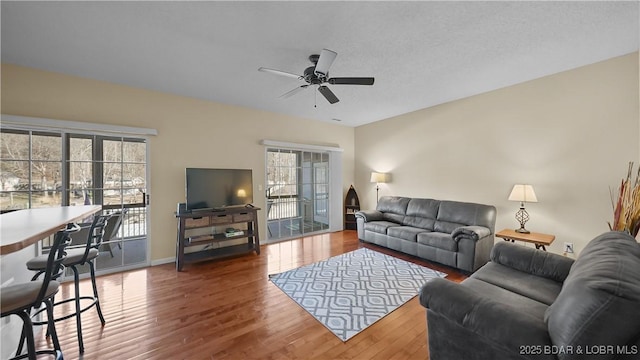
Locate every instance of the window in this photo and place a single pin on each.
(59, 168)
(297, 192)
(30, 170)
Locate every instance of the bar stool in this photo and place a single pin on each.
(77, 256)
(19, 299)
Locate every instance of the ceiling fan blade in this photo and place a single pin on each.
(324, 62)
(279, 72)
(351, 81)
(328, 94)
(293, 92)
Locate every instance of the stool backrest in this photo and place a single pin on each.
(96, 234)
(57, 254)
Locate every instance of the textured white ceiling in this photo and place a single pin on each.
(421, 53)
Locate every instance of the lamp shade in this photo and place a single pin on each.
(377, 177)
(523, 193)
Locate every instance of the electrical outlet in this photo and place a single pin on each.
(568, 248)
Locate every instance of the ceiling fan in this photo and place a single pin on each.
(318, 74)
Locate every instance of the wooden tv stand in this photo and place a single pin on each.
(217, 221)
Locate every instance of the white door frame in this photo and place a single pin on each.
(335, 177)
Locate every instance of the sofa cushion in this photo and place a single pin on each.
(600, 299)
(421, 213)
(453, 214)
(393, 208)
(519, 302)
(404, 232)
(438, 240)
(534, 287)
(529, 260)
(445, 226)
(379, 226)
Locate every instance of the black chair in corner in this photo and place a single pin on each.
(20, 299)
(77, 256)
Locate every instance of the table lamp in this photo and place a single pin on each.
(522, 193)
(378, 178)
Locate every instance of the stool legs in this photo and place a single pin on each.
(27, 331)
(96, 301)
(76, 284)
(51, 329)
(95, 292)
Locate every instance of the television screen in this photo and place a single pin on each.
(218, 188)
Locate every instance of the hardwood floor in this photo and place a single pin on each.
(227, 309)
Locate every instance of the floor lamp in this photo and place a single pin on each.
(378, 178)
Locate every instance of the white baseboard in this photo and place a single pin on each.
(163, 261)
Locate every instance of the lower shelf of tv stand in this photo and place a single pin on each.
(203, 239)
(225, 251)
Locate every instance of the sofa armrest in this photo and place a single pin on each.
(497, 322)
(536, 262)
(369, 215)
(472, 232)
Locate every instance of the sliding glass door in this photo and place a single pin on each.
(297, 193)
(48, 168)
(111, 171)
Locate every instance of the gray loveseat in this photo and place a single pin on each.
(453, 233)
(530, 304)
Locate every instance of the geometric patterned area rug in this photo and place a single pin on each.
(349, 292)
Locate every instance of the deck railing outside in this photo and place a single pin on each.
(282, 208)
(134, 222)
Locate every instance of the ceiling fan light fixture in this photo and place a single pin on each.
(324, 62)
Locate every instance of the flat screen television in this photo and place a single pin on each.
(218, 188)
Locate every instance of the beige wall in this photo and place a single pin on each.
(570, 135)
(191, 133)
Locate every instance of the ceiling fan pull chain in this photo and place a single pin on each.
(315, 98)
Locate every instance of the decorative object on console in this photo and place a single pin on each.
(379, 178)
(523, 193)
(182, 208)
(626, 208)
(231, 232)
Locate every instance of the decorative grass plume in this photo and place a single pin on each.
(626, 207)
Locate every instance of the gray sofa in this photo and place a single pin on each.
(530, 304)
(453, 233)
